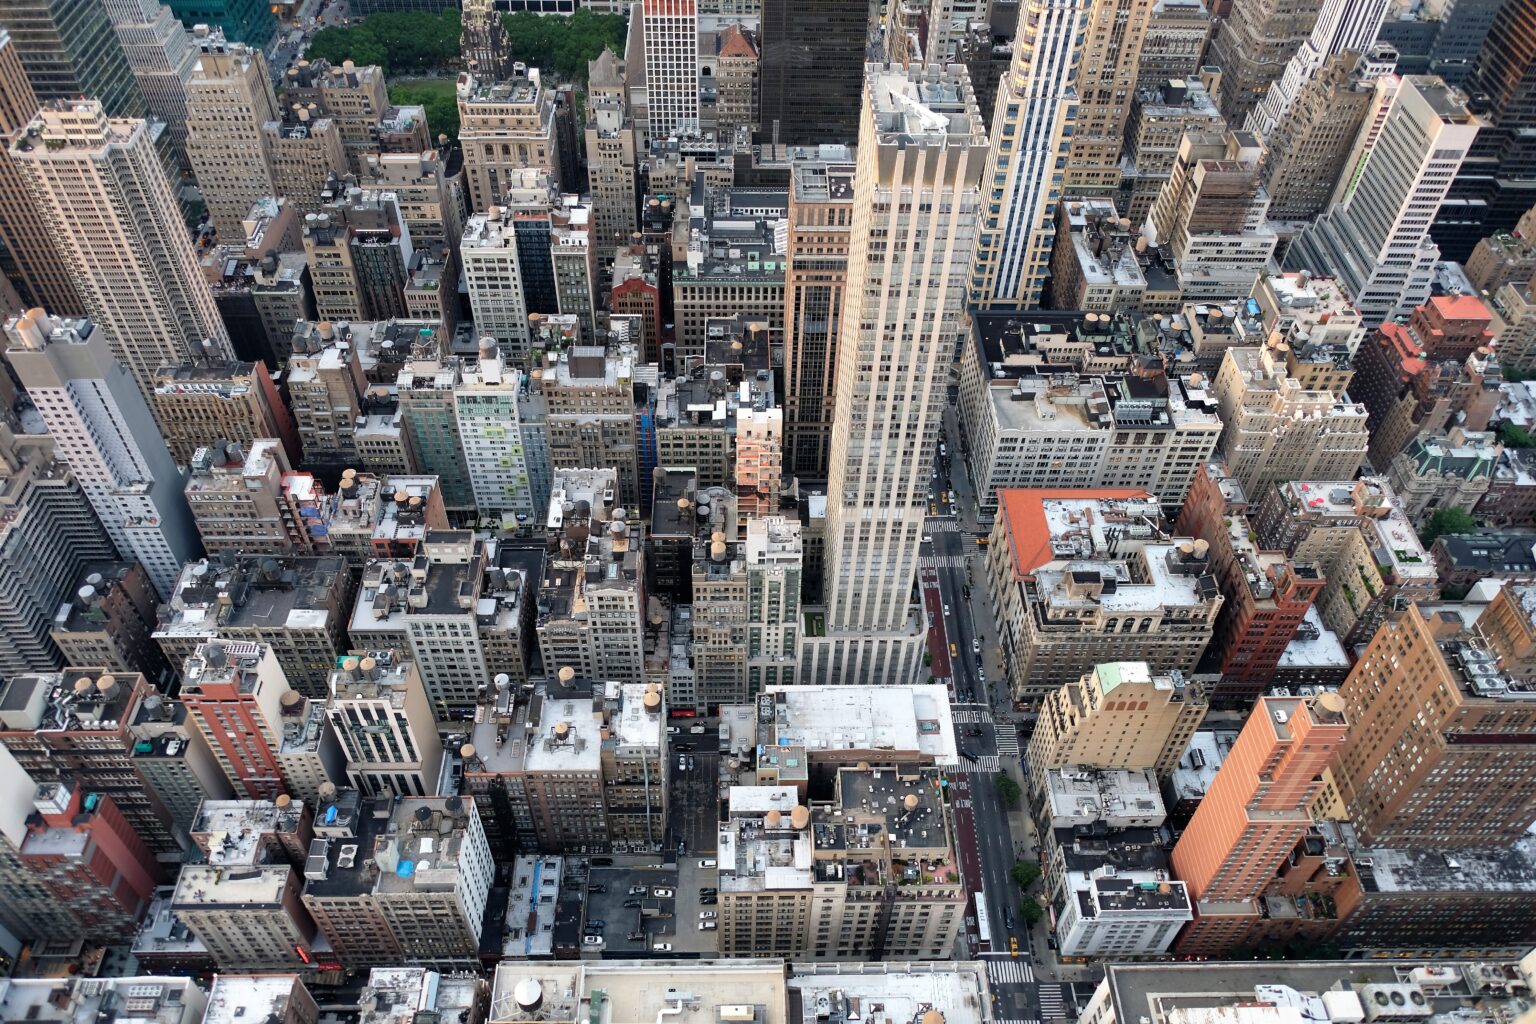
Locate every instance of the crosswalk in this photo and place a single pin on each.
(1007, 741)
(941, 561)
(1052, 1006)
(1015, 1020)
(1013, 970)
(971, 716)
(986, 764)
(941, 524)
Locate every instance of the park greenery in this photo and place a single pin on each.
(440, 99)
(402, 43)
(1513, 435)
(561, 47)
(1025, 873)
(1447, 521)
(1007, 790)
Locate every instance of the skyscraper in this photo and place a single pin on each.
(922, 150)
(103, 425)
(815, 283)
(162, 58)
(1253, 814)
(229, 99)
(483, 40)
(1376, 242)
(1107, 68)
(812, 70)
(1032, 128)
(103, 196)
(671, 66)
(70, 51)
(28, 257)
(241, 21)
(1342, 25)
(1252, 45)
(48, 533)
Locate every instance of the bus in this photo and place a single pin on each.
(983, 926)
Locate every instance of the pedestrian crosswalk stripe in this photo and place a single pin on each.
(1008, 742)
(941, 561)
(1010, 971)
(972, 716)
(1052, 1005)
(941, 524)
(984, 763)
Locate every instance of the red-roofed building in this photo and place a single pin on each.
(735, 81)
(636, 292)
(1420, 378)
(1086, 576)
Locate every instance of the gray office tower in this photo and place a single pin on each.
(70, 49)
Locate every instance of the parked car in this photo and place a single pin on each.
(708, 926)
(708, 890)
(707, 915)
(662, 894)
(592, 940)
(662, 947)
(709, 901)
(976, 645)
(599, 889)
(638, 890)
(597, 925)
(631, 904)
(697, 730)
(706, 863)
(636, 936)
(673, 730)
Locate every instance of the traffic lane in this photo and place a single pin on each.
(938, 643)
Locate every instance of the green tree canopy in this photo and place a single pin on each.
(439, 97)
(1007, 789)
(1030, 910)
(402, 42)
(1447, 520)
(1513, 435)
(1024, 873)
(562, 47)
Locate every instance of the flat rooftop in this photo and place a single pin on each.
(1196, 770)
(246, 998)
(79, 1000)
(1098, 795)
(891, 718)
(206, 886)
(894, 992)
(623, 992)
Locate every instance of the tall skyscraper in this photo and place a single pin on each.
(229, 99)
(1376, 242)
(1253, 814)
(671, 66)
(483, 40)
(1032, 128)
(28, 257)
(103, 196)
(102, 424)
(1342, 25)
(922, 150)
(48, 533)
(815, 282)
(811, 70)
(70, 51)
(161, 55)
(1107, 71)
(1252, 45)
(241, 21)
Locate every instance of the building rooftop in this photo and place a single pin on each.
(831, 993)
(531, 906)
(412, 995)
(71, 701)
(1046, 524)
(1387, 870)
(1326, 992)
(242, 998)
(250, 591)
(206, 886)
(1314, 645)
(81, 1000)
(387, 846)
(1196, 770)
(442, 579)
(235, 829)
(1083, 797)
(923, 106)
(913, 720)
(598, 992)
(1505, 553)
